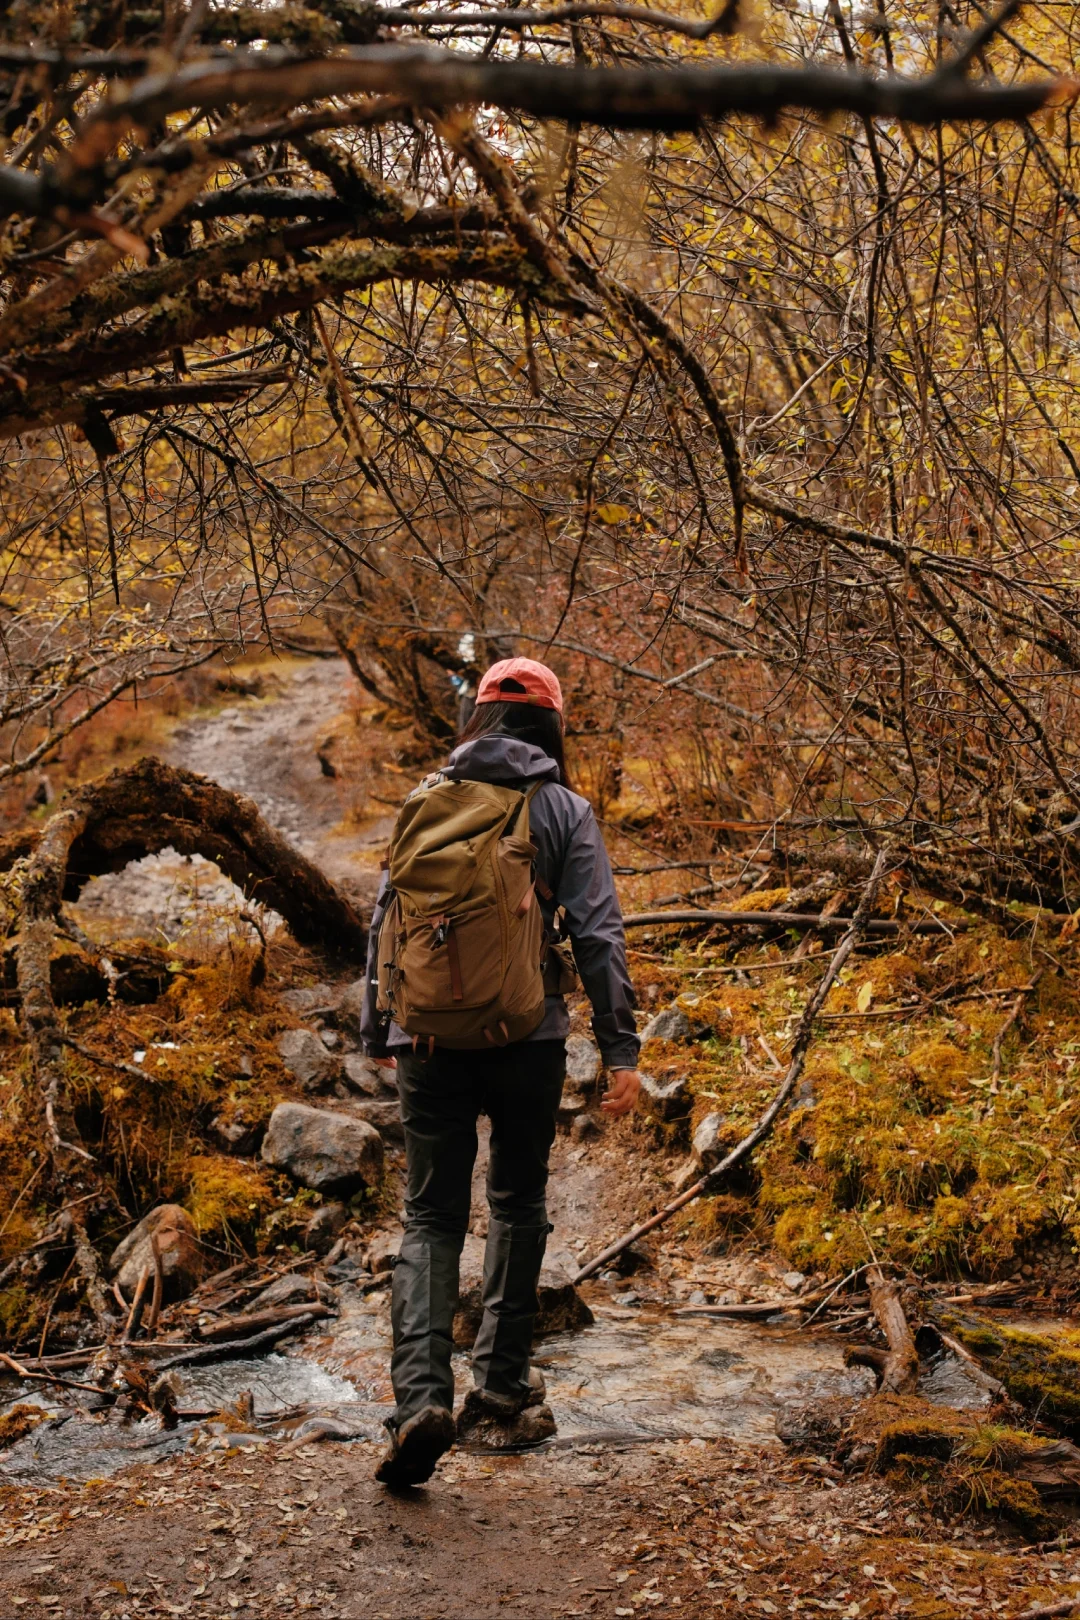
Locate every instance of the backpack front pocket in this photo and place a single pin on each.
(450, 963)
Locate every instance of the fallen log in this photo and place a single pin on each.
(897, 1367)
(237, 1349)
(803, 1036)
(1039, 1370)
(236, 1327)
(139, 811)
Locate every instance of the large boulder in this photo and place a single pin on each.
(332, 1153)
(562, 1309)
(182, 1260)
(307, 1059)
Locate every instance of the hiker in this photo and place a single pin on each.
(493, 862)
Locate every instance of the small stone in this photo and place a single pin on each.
(363, 1074)
(383, 1113)
(582, 1062)
(321, 1231)
(182, 1263)
(330, 1039)
(383, 1251)
(666, 1099)
(327, 1151)
(629, 1298)
(307, 1059)
(709, 1141)
(697, 1297)
(304, 999)
(236, 1136)
(571, 1104)
(670, 1024)
(794, 1280)
(585, 1127)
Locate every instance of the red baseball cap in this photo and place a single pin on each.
(521, 680)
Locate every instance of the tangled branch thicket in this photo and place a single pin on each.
(761, 426)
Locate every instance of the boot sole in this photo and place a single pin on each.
(422, 1441)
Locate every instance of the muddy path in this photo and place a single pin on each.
(666, 1487)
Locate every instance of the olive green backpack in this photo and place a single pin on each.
(462, 944)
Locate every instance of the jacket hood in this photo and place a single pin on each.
(501, 759)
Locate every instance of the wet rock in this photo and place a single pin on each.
(668, 1099)
(323, 1227)
(237, 1136)
(383, 1251)
(307, 1059)
(363, 1074)
(327, 1151)
(382, 1112)
(710, 1141)
(582, 1062)
(182, 1261)
(670, 1024)
(562, 1309)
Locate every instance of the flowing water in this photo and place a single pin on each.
(635, 1375)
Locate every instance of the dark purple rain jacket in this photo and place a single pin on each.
(574, 864)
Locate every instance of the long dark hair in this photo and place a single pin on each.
(541, 727)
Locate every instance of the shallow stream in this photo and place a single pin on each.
(635, 1375)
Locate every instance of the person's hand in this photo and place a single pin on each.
(622, 1092)
(385, 1063)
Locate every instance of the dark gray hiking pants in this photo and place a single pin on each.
(519, 1088)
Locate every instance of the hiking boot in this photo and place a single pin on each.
(416, 1447)
(504, 1422)
(478, 1425)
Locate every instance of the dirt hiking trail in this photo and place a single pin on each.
(666, 1489)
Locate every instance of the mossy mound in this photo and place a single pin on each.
(958, 1461)
(903, 1146)
(1040, 1370)
(148, 1104)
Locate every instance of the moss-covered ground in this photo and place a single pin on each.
(904, 1145)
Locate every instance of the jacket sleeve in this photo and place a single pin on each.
(374, 1025)
(586, 892)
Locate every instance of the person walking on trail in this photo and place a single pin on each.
(493, 863)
